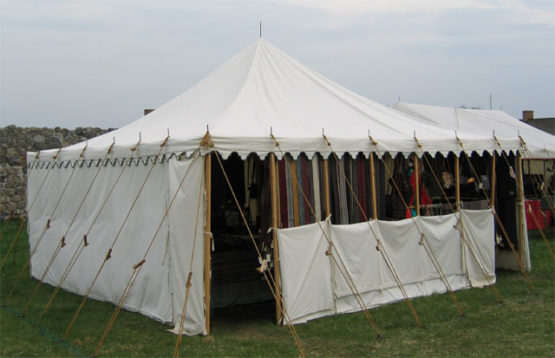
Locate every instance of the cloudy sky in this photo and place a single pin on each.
(100, 63)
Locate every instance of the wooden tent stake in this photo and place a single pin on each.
(373, 187)
(277, 273)
(207, 238)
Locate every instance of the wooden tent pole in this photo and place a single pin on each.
(520, 204)
(296, 210)
(416, 184)
(493, 179)
(207, 238)
(373, 187)
(326, 180)
(277, 274)
(457, 183)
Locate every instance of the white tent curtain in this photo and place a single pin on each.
(187, 217)
(159, 284)
(304, 265)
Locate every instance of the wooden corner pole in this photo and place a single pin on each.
(373, 188)
(326, 180)
(277, 273)
(493, 179)
(207, 238)
(416, 184)
(520, 204)
(457, 182)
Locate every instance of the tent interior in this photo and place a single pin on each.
(235, 279)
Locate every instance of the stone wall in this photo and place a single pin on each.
(14, 143)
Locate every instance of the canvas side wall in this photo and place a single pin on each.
(304, 261)
(101, 214)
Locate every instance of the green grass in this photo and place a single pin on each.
(523, 326)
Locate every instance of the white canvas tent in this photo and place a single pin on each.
(540, 144)
(536, 144)
(120, 196)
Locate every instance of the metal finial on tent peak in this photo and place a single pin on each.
(260, 31)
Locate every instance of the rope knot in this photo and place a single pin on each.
(165, 141)
(263, 266)
(327, 141)
(207, 140)
(276, 143)
(417, 142)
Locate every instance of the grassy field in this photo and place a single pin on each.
(523, 327)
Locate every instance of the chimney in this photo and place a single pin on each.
(527, 115)
(148, 110)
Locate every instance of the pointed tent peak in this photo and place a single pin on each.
(262, 87)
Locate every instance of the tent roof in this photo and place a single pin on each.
(261, 91)
(540, 144)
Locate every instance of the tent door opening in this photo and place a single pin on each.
(235, 279)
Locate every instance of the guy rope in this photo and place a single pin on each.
(47, 224)
(63, 239)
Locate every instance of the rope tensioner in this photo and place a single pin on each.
(139, 264)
